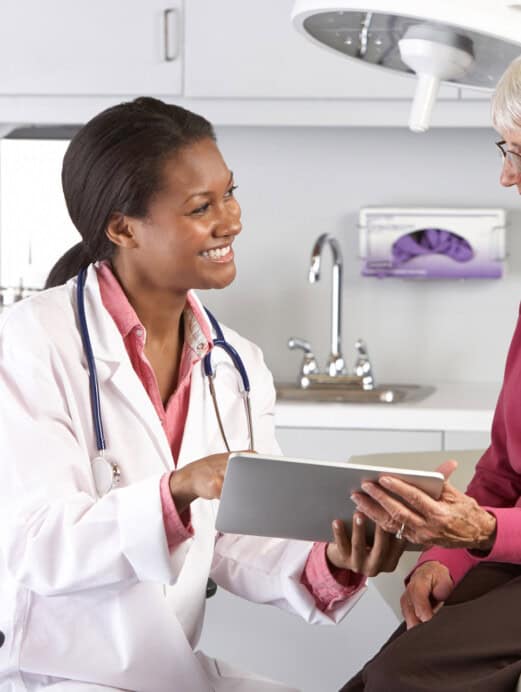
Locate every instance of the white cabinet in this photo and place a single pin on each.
(339, 445)
(240, 62)
(90, 47)
(247, 49)
(455, 439)
(475, 95)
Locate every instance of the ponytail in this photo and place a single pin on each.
(76, 258)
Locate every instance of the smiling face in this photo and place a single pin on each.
(511, 170)
(186, 239)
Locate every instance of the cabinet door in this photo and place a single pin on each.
(455, 439)
(247, 49)
(339, 445)
(475, 95)
(89, 47)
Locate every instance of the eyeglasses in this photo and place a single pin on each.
(514, 159)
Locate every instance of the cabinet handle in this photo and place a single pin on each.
(171, 34)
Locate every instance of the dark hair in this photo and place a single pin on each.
(114, 163)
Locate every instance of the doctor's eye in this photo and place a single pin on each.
(201, 209)
(231, 190)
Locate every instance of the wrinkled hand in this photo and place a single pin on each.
(202, 478)
(454, 521)
(429, 586)
(354, 553)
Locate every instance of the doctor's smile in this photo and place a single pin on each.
(220, 254)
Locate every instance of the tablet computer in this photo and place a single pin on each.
(285, 497)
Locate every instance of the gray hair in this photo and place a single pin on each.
(506, 101)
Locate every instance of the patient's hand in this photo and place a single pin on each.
(455, 520)
(354, 553)
(429, 586)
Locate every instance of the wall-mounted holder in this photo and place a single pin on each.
(418, 243)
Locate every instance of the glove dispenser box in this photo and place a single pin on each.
(432, 243)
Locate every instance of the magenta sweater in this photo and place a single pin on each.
(496, 484)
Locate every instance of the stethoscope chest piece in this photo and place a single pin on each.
(106, 474)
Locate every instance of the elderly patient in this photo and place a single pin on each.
(473, 567)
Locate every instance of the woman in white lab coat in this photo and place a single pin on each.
(108, 593)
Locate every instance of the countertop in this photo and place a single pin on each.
(465, 406)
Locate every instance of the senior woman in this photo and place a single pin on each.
(473, 565)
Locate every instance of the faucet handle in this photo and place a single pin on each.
(363, 367)
(295, 342)
(309, 363)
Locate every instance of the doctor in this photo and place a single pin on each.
(105, 589)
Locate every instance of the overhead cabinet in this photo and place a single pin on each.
(240, 62)
(475, 95)
(247, 49)
(90, 47)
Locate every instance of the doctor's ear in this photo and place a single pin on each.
(120, 230)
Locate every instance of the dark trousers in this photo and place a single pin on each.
(473, 644)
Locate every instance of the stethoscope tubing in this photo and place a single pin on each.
(91, 363)
(219, 342)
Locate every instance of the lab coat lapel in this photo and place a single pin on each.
(201, 434)
(114, 367)
(134, 395)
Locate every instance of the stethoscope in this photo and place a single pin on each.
(106, 472)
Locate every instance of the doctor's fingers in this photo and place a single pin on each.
(207, 475)
(385, 552)
(342, 541)
(359, 548)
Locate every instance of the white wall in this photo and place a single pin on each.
(295, 183)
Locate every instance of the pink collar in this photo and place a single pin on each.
(197, 330)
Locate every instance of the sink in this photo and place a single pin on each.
(381, 394)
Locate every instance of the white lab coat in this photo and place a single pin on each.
(91, 598)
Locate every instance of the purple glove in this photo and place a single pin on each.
(431, 241)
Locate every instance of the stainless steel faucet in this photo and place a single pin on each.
(335, 363)
(336, 374)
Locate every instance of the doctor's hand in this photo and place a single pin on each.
(354, 553)
(429, 586)
(455, 520)
(202, 478)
